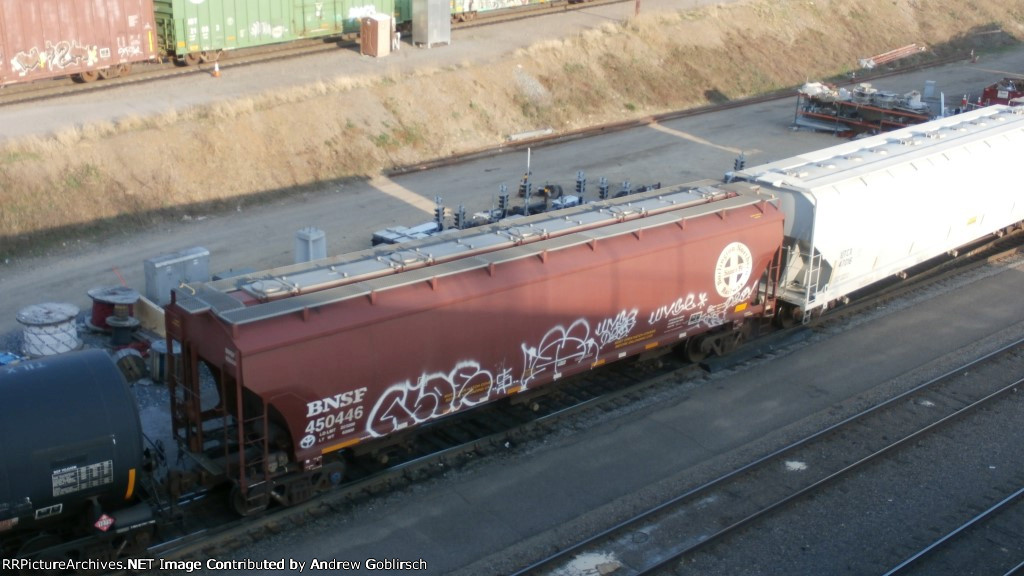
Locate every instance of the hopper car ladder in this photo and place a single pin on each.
(812, 279)
(800, 287)
(768, 289)
(253, 461)
(219, 451)
(243, 448)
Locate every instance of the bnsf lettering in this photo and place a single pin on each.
(335, 402)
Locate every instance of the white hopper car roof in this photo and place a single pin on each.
(866, 209)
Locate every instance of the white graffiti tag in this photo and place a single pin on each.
(680, 306)
(59, 56)
(694, 310)
(357, 12)
(129, 48)
(612, 329)
(266, 30)
(432, 396)
(558, 347)
(505, 381)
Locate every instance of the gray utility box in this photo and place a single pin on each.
(168, 271)
(310, 244)
(431, 22)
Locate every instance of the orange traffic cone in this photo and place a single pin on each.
(216, 69)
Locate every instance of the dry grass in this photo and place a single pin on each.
(139, 168)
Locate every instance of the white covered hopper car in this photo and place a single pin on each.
(865, 210)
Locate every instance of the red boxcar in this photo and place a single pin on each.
(315, 358)
(84, 39)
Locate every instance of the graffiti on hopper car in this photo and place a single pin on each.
(732, 277)
(678, 308)
(468, 384)
(431, 396)
(614, 329)
(560, 346)
(695, 310)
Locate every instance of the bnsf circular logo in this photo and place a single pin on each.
(733, 269)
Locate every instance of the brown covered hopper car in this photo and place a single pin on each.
(84, 39)
(310, 361)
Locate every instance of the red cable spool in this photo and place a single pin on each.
(105, 303)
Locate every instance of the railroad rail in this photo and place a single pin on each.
(44, 90)
(63, 87)
(611, 127)
(974, 539)
(206, 537)
(434, 450)
(659, 538)
(480, 434)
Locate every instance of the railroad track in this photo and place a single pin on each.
(434, 450)
(45, 90)
(657, 540)
(612, 127)
(981, 541)
(980, 253)
(489, 432)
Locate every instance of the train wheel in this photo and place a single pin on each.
(330, 476)
(37, 544)
(110, 72)
(124, 69)
(728, 343)
(190, 59)
(786, 317)
(243, 506)
(87, 76)
(696, 351)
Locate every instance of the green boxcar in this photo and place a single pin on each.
(463, 10)
(403, 13)
(192, 31)
(468, 8)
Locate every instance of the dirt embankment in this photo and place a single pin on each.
(78, 182)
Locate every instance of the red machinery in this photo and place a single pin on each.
(862, 110)
(1003, 91)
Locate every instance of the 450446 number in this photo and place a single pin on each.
(334, 420)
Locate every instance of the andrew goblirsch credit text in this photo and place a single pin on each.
(210, 564)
